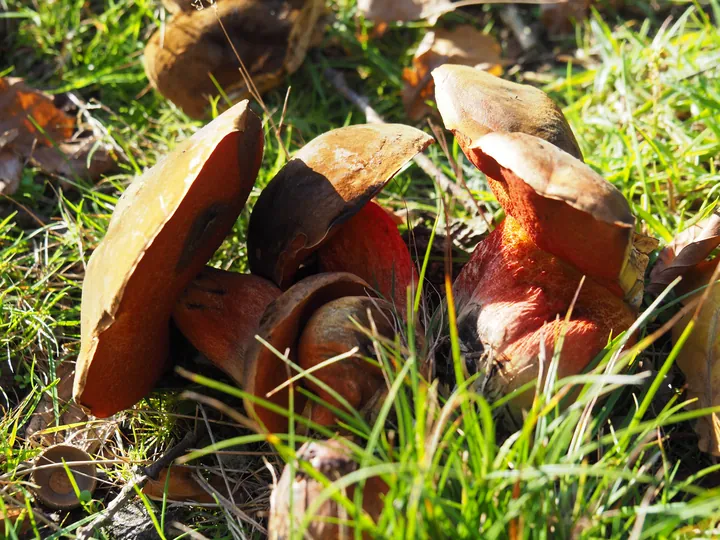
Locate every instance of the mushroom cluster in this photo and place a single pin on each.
(564, 266)
(324, 259)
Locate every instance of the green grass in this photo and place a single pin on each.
(644, 104)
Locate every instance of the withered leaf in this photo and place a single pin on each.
(190, 57)
(688, 249)
(464, 45)
(699, 358)
(384, 11)
(33, 129)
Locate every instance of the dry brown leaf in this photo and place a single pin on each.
(688, 249)
(464, 45)
(271, 37)
(33, 129)
(699, 358)
(384, 11)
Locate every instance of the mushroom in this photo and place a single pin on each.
(513, 294)
(165, 227)
(339, 171)
(182, 486)
(53, 486)
(369, 246)
(563, 221)
(281, 327)
(294, 494)
(334, 329)
(195, 56)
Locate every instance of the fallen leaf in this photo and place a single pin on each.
(688, 249)
(33, 129)
(464, 45)
(699, 358)
(11, 515)
(384, 11)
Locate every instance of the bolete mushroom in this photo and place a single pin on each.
(195, 56)
(53, 486)
(220, 312)
(563, 221)
(165, 227)
(281, 327)
(178, 484)
(294, 494)
(334, 329)
(318, 196)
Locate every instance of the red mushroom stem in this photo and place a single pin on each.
(370, 246)
(512, 299)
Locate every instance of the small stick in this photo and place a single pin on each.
(139, 479)
(510, 15)
(361, 102)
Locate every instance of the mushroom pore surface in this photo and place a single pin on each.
(165, 227)
(335, 329)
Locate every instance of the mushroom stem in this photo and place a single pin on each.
(220, 312)
(512, 298)
(333, 330)
(370, 246)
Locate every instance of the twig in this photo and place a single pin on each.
(361, 102)
(139, 479)
(510, 15)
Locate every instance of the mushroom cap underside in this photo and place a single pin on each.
(165, 227)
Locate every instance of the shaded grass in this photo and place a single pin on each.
(643, 102)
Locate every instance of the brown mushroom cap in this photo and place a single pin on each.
(567, 208)
(333, 330)
(270, 36)
(281, 325)
(333, 460)
(370, 246)
(54, 487)
(164, 229)
(473, 103)
(329, 180)
(220, 312)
